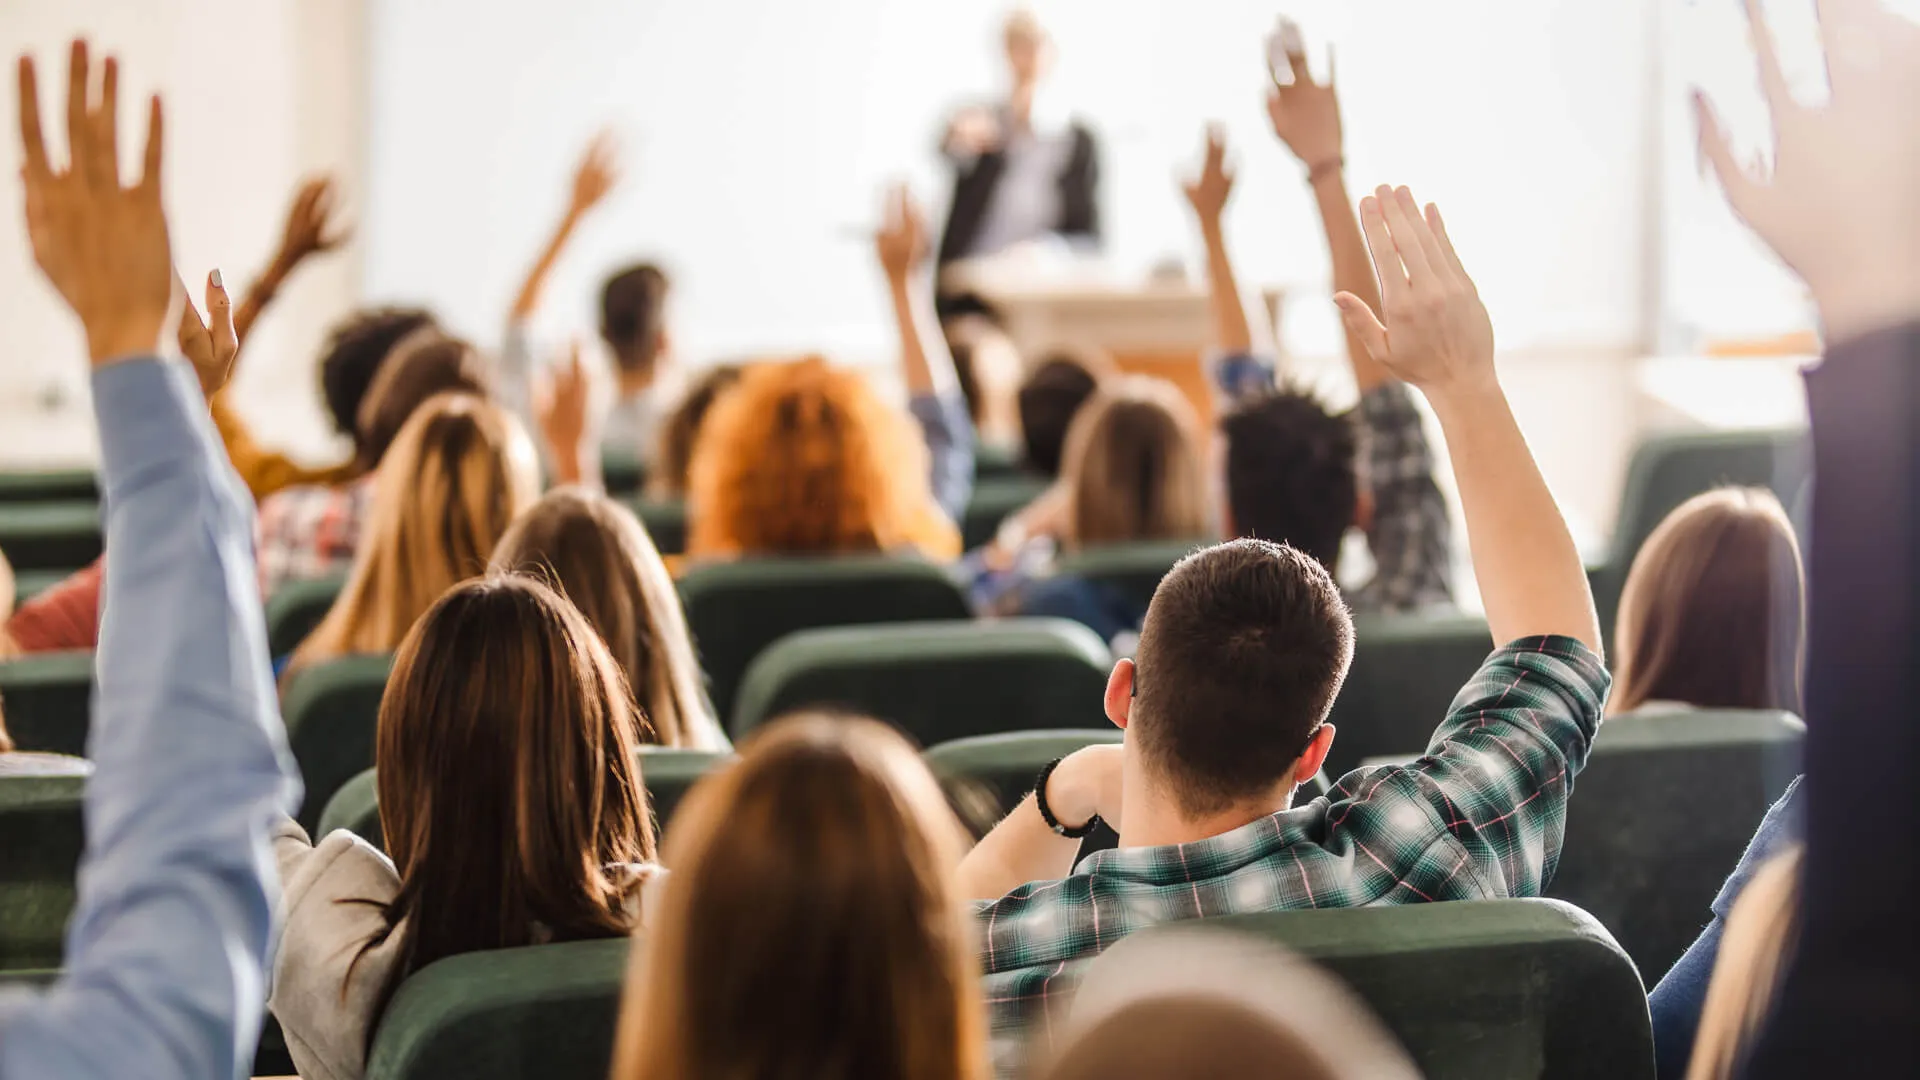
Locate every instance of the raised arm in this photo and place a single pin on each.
(165, 965)
(926, 366)
(312, 228)
(1436, 336)
(1208, 194)
(597, 173)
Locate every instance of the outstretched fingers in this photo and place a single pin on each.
(1740, 187)
(1386, 258)
(33, 141)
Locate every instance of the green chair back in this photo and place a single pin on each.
(546, 1011)
(1003, 766)
(296, 608)
(621, 471)
(997, 462)
(666, 522)
(355, 808)
(1133, 570)
(47, 698)
(1660, 816)
(28, 584)
(936, 681)
(1482, 989)
(1667, 470)
(994, 500)
(50, 535)
(737, 609)
(333, 713)
(41, 838)
(50, 485)
(1406, 671)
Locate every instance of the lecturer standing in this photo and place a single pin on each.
(1021, 173)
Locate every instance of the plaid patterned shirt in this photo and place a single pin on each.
(1480, 816)
(1411, 535)
(310, 532)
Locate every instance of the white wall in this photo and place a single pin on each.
(257, 93)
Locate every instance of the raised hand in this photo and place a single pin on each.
(1209, 191)
(597, 173)
(1436, 333)
(901, 242)
(312, 225)
(1305, 113)
(1842, 203)
(210, 349)
(563, 407)
(103, 244)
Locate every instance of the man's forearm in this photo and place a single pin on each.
(1352, 268)
(925, 363)
(528, 299)
(1018, 850)
(1232, 333)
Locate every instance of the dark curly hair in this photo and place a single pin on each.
(353, 354)
(1292, 472)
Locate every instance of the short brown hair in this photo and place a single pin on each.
(672, 460)
(422, 365)
(1134, 468)
(1713, 612)
(1049, 398)
(1244, 647)
(633, 306)
(815, 924)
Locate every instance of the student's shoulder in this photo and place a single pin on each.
(1544, 672)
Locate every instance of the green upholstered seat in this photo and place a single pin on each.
(994, 500)
(936, 681)
(1667, 470)
(1660, 816)
(1482, 990)
(296, 608)
(28, 584)
(621, 471)
(333, 712)
(1406, 671)
(547, 1011)
(736, 609)
(50, 485)
(46, 696)
(666, 522)
(1133, 570)
(50, 535)
(668, 775)
(1003, 766)
(41, 838)
(997, 462)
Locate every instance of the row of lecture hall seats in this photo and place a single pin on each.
(1520, 988)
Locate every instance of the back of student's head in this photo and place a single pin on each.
(1713, 611)
(1048, 400)
(1134, 466)
(814, 925)
(674, 457)
(1759, 935)
(1292, 472)
(1243, 649)
(597, 554)
(802, 458)
(510, 796)
(353, 355)
(633, 306)
(458, 474)
(422, 365)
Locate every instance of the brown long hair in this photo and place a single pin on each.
(1713, 612)
(1134, 469)
(1760, 932)
(458, 474)
(814, 925)
(423, 365)
(802, 459)
(598, 555)
(510, 796)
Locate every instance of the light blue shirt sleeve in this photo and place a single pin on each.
(168, 949)
(948, 430)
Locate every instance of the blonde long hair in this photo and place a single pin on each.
(1753, 954)
(814, 924)
(457, 475)
(1133, 468)
(597, 554)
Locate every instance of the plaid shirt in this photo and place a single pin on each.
(1411, 535)
(310, 532)
(1480, 817)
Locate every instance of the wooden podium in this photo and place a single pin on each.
(1158, 327)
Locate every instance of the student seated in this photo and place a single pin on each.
(1752, 959)
(512, 807)
(813, 926)
(1713, 612)
(593, 551)
(1049, 399)
(315, 531)
(1241, 655)
(459, 472)
(673, 457)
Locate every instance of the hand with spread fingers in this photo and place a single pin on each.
(313, 226)
(212, 345)
(102, 243)
(564, 408)
(598, 172)
(1841, 205)
(1305, 113)
(1208, 192)
(1432, 330)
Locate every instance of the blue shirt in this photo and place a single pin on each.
(166, 955)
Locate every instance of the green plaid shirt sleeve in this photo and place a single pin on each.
(1411, 534)
(1480, 816)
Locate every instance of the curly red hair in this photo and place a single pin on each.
(803, 459)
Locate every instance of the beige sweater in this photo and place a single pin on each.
(326, 1015)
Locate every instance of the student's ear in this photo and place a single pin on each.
(1120, 694)
(1363, 510)
(1314, 756)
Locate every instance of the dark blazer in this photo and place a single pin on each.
(973, 188)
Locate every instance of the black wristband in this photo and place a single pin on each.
(1078, 832)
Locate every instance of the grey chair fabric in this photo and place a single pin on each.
(296, 608)
(1407, 669)
(48, 701)
(1131, 570)
(41, 839)
(333, 716)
